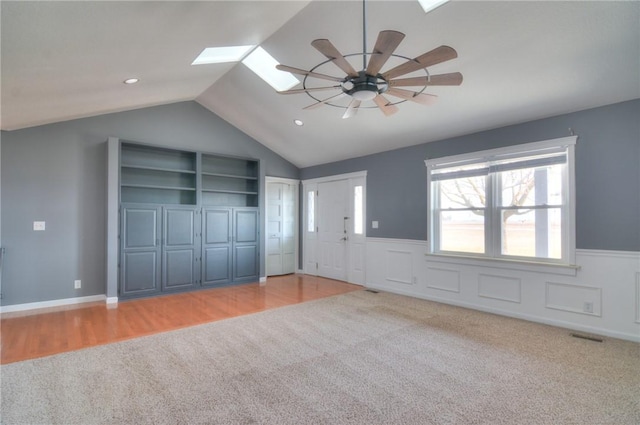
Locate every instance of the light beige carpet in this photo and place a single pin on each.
(359, 358)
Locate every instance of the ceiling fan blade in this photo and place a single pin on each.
(325, 47)
(423, 98)
(452, 79)
(385, 106)
(352, 109)
(297, 91)
(386, 44)
(433, 57)
(322, 102)
(308, 73)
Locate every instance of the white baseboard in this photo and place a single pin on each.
(52, 303)
(112, 300)
(263, 279)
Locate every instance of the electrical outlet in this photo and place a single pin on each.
(588, 307)
(77, 284)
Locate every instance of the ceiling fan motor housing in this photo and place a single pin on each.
(365, 87)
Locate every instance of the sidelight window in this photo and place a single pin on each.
(358, 211)
(311, 211)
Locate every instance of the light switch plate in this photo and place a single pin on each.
(38, 225)
(374, 224)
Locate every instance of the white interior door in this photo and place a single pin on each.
(281, 228)
(333, 227)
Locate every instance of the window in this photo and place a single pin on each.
(311, 211)
(358, 211)
(512, 203)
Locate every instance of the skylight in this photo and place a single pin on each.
(429, 5)
(264, 65)
(221, 54)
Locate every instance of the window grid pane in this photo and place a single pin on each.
(531, 186)
(532, 233)
(462, 231)
(463, 193)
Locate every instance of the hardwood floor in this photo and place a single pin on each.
(28, 335)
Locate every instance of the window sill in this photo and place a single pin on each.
(495, 263)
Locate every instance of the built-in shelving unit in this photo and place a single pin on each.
(229, 181)
(187, 220)
(156, 175)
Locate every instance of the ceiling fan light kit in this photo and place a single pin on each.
(365, 87)
(369, 84)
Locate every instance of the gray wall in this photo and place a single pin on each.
(57, 173)
(607, 175)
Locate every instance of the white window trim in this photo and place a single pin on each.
(491, 154)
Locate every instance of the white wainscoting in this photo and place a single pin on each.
(499, 287)
(443, 279)
(602, 296)
(572, 298)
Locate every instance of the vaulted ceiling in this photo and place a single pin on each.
(520, 61)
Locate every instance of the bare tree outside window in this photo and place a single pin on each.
(521, 192)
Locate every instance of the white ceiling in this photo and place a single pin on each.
(520, 60)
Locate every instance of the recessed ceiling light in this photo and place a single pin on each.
(221, 54)
(429, 5)
(264, 65)
(131, 80)
(299, 123)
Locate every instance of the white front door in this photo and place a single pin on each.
(333, 217)
(334, 229)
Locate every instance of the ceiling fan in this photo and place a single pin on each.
(369, 84)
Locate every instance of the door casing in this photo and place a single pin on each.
(355, 245)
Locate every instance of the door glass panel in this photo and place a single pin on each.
(358, 209)
(311, 209)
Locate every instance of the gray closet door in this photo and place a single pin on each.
(216, 246)
(140, 249)
(179, 265)
(245, 244)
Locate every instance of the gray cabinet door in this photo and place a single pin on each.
(179, 255)
(216, 246)
(140, 249)
(245, 244)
